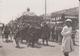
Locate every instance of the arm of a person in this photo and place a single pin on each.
(65, 31)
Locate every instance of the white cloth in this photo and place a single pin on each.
(67, 43)
(29, 13)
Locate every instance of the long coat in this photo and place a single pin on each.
(67, 43)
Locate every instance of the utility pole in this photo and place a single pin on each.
(79, 15)
(45, 8)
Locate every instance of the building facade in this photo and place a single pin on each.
(59, 17)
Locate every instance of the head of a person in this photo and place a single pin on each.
(28, 9)
(68, 22)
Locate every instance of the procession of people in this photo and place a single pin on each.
(32, 34)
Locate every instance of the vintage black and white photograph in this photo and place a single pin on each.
(39, 27)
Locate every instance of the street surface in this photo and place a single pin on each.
(54, 49)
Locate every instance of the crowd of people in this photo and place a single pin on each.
(32, 35)
(28, 30)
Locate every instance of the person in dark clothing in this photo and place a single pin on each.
(34, 33)
(21, 35)
(6, 33)
(53, 35)
(24, 30)
(31, 32)
(17, 39)
(45, 34)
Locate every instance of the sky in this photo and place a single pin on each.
(11, 9)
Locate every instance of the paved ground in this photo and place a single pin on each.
(54, 49)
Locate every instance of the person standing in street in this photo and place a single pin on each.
(45, 35)
(67, 43)
(53, 35)
(6, 33)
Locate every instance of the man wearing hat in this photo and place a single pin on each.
(67, 43)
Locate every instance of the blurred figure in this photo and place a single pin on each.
(28, 12)
(45, 35)
(55, 34)
(67, 43)
(59, 36)
(6, 33)
(73, 36)
(1, 32)
(34, 33)
(77, 37)
(20, 35)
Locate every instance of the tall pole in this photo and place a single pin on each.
(79, 18)
(45, 8)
